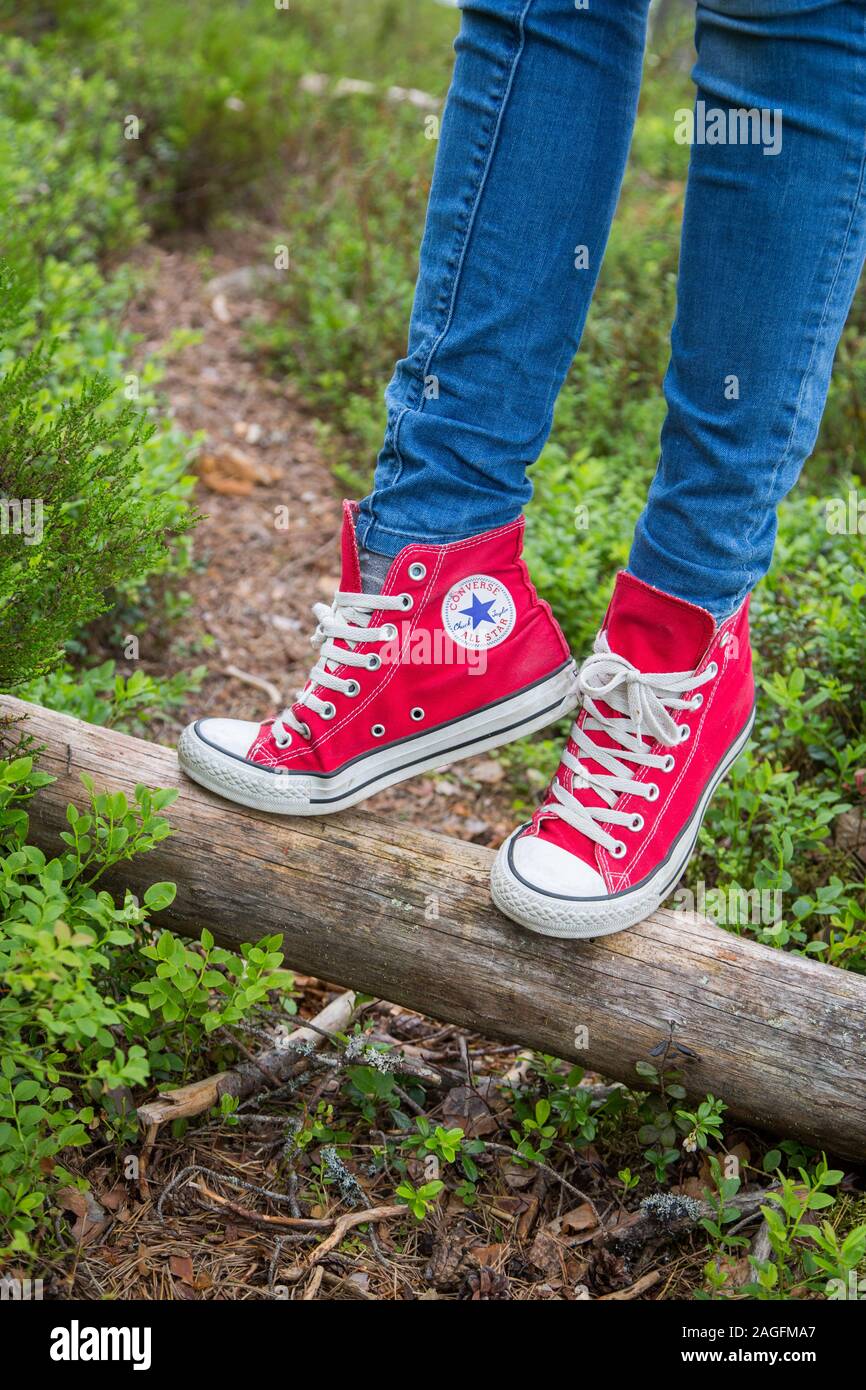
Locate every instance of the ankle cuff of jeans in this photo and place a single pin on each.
(373, 536)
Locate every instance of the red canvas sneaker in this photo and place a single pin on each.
(668, 705)
(456, 655)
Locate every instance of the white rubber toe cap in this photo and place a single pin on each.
(554, 870)
(231, 735)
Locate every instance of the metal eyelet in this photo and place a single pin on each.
(712, 669)
(685, 732)
(669, 763)
(652, 791)
(329, 711)
(373, 662)
(637, 823)
(697, 701)
(406, 602)
(377, 730)
(618, 850)
(283, 742)
(417, 571)
(353, 689)
(416, 713)
(390, 632)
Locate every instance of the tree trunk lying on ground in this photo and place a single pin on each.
(404, 914)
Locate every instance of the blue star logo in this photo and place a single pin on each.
(479, 612)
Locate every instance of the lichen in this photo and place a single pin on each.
(668, 1207)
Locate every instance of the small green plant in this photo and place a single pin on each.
(725, 1244)
(536, 1134)
(659, 1123)
(444, 1144)
(806, 1256)
(807, 1260)
(319, 1128)
(574, 1109)
(703, 1124)
(420, 1200)
(199, 989)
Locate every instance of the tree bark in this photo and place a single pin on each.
(405, 915)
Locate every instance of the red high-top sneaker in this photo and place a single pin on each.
(456, 655)
(668, 705)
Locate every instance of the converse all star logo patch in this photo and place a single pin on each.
(478, 612)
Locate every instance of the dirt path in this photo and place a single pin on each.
(267, 548)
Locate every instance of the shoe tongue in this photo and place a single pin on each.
(350, 577)
(350, 581)
(654, 630)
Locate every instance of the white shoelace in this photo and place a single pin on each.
(643, 699)
(346, 618)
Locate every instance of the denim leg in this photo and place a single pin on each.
(533, 144)
(772, 248)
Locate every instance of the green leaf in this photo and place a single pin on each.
(160, 896)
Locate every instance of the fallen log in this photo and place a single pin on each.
(404, 914)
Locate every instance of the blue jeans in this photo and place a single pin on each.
(533, 143)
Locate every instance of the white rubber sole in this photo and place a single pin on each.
(292, 794)
(552, 914)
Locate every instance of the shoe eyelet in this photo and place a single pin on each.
(669, 763)
(390, 632)
(283, 742)
(417, 570)
(618, 850)
(416, 713)
(373, 662)
(377, 730)
(637, 823)
(329, 711)
(352, 689)
(652, 791)
(712, 669)
(406, 602)
(685, 732)
(697, 701)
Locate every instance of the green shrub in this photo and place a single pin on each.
(90, 1002)
(75, 519)
(201, 94)
(109, 475)
(65, 190)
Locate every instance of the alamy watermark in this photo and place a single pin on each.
(77, 1343)
(846, 516)
(22, 516)
(20, 1290)
(733, 906)
(717, 125)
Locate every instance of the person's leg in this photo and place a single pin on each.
(773, 244)
(531, 155)
(772, 249)
(532, 148)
